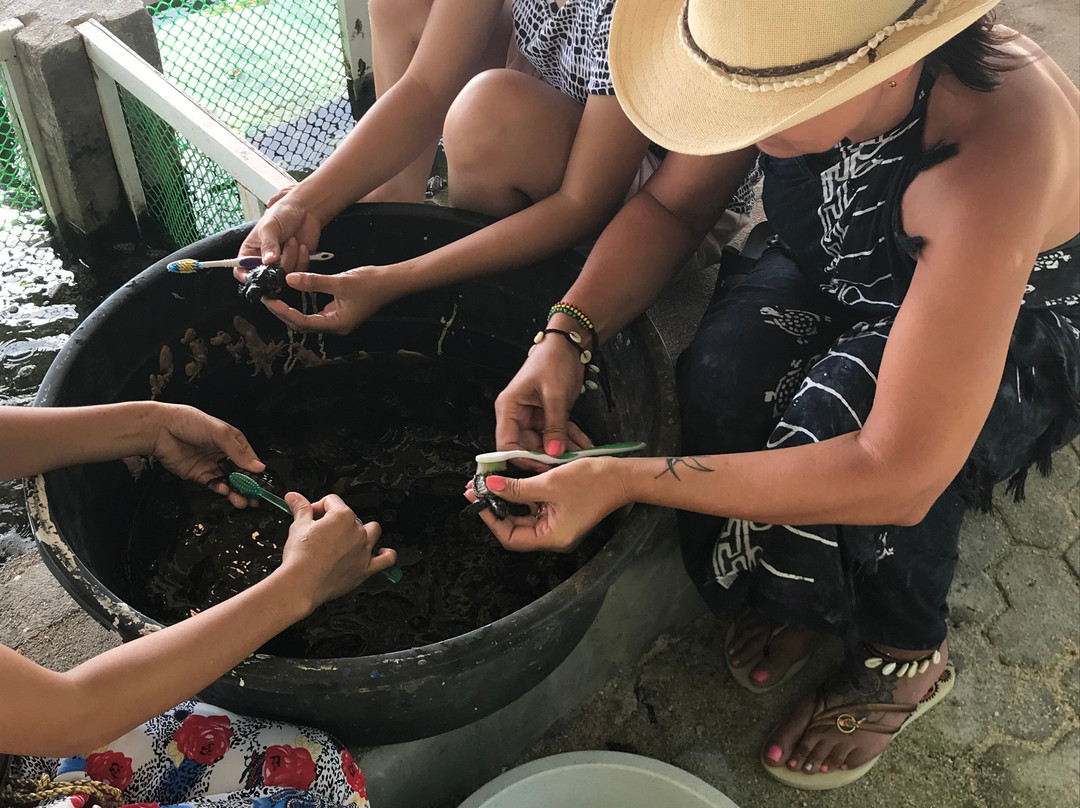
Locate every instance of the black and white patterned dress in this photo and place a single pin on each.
(568, 47)
(791, 356)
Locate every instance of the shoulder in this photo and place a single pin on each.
(1035, 106)
(1018, 150)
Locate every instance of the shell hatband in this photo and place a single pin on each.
(775, 79)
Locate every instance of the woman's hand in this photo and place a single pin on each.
(189, 443)
(533, 411)
(329, 550)
(286, 234)
(358, 293)
(567, 502)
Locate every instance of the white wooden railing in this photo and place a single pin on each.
(115, 64)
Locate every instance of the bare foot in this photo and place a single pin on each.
(767, 648)
(823, 749)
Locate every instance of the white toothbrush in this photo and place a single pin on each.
(496, 461)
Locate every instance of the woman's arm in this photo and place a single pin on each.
(654, 235)
(938, 378)
(328, 553)
(642, 248)
(388, 137)
(186, 441)
(606, 154)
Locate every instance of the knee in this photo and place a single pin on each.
(391, 15)
(480, 122)
(719, 410)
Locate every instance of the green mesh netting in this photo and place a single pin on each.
(21, 214)
(271, 70)
(188, 195)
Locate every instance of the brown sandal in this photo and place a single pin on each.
(851, 717)
(742, 675)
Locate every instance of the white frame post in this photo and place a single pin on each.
(355, 22)
(112, 112)
(253, 171)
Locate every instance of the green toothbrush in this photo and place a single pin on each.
(242, 484)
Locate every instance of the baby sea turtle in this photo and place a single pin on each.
(486, 498)
(263, 281)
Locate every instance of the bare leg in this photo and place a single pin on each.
(508, 138)
(396, 28)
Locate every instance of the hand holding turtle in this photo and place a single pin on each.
(566, 503)
(189, 443)
(286, 234)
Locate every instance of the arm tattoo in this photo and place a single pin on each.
(691, 463)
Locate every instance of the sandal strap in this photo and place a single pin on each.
(850, 717)
(774, 632)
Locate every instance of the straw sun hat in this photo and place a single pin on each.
(711, 76)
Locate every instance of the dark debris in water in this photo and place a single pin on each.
(395, 436)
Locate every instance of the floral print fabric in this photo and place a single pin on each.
(197, 755)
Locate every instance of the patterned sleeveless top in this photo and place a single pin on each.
(838, 215)
(568, 46)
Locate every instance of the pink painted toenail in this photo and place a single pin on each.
(824, 768)
(760, 676)
(843, 767)
(774, 753)
(791, 763)
(735, 663)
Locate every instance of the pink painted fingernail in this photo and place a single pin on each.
(554, 448)
(774, 753)
(824, 768)
(496, 483)
(760, 676)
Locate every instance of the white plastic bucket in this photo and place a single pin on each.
(597, 780)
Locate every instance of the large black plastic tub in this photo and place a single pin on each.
(83, 514)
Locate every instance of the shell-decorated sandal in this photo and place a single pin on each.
(742, 675)
(850, 718)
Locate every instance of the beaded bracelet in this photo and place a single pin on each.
(572, 311)
(584, 354)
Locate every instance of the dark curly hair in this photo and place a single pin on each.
(976, 56)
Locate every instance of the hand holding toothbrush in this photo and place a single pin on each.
(329, 549)
(533, 412)
(287, 234)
